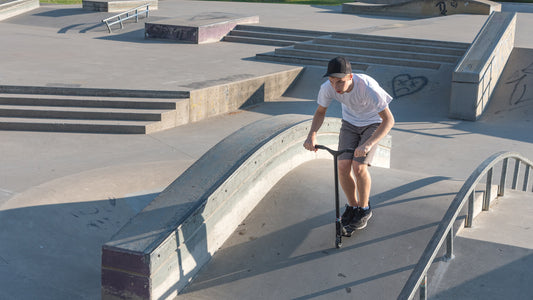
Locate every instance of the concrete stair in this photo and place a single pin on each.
(270, 35)
(93, 114)
(365, 50)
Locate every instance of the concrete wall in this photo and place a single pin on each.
(159, 251)
(214, 100)
(479, 70)
(423, 8)
(17, 7)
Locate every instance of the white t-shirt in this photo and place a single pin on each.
(361, 105)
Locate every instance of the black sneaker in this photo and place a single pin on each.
(361, 219)
(348, 215)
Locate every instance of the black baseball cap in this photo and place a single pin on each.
(339, 67)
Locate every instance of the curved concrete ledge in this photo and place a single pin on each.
(424, 8)
(160, 250)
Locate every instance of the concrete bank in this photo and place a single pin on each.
(160, 250)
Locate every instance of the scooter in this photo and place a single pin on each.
(340, 231)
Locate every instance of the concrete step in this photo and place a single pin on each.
(95, 114)
(390, 45)
(87, 101)
(67, 125)
(400, 40)
(314, 61)
(310, 46)
(299, 32)
(270, 36)
(86, 113)
(361, 59)
(257, 41)
(302, 47)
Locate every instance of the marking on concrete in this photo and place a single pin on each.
(3, 261)
(520, 80)
(405, 84)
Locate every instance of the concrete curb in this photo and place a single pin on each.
(162, 248)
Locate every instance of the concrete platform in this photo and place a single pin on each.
(117, 5)
(198, 29)
(422, 9)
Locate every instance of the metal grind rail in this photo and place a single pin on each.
(132, 13)
(418, 278)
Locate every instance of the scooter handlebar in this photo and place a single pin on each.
(333, 152)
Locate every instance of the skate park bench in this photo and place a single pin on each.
(478, 72)
(159, 251)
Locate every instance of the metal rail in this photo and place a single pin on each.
(132, 13)
(418, 278)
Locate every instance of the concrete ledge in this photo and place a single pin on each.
(117, 5)
(479, 70)
(214, 100)
(17, 7)
(200, 29)
(80, 91)
(423, 9)
(158, 252)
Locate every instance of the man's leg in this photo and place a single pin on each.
(347, 181)
(348, 185)
(363, 182)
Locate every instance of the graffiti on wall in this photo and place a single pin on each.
(405, 84)
(443, 6)
(520, 80)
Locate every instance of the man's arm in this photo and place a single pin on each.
(383, 129)
(318, 119)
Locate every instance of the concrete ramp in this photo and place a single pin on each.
(512, 99)
(285, 248)
(422, 9)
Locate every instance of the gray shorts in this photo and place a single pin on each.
(352, 136)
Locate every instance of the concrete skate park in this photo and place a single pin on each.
(142, 167)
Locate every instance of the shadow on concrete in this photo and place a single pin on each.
(511, 278)
(56, 248)
(64, 12)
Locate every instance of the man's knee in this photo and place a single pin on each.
(344, 166)
(360, 170)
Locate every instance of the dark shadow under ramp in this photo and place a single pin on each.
(285, 248)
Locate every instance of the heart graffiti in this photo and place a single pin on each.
(404, 84)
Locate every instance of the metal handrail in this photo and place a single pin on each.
(127, 15)
(418, 278)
